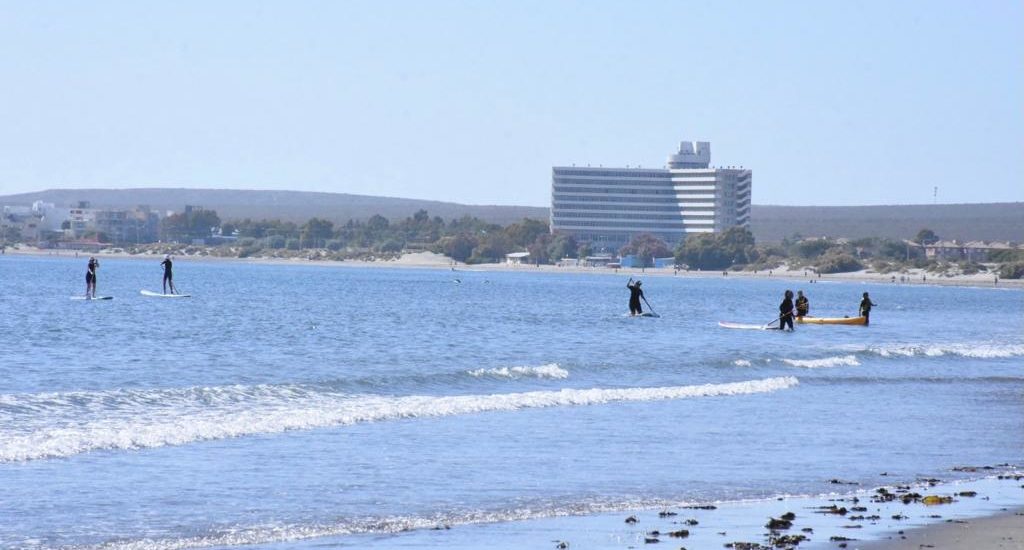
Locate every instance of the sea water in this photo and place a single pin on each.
(333, 406)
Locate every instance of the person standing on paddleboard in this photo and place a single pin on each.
(90, 278)
(168, 276)
(803, 306)
(786, 311)
(634, 297)
(865, 308)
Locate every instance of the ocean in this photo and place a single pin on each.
(303, 405)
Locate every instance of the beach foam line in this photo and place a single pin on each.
(550, 370)
(388, 525)
(53, 425)
(839, 361)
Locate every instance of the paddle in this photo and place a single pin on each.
(649, 306)
(773, 321)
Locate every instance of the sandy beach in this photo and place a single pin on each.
(1003, 531)
(431, 260)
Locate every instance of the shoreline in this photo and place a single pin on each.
(973, 513)
(1000, 531)
(427, 260)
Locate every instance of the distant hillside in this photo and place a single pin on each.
(295, 206)
(990, 222)
(965, 222)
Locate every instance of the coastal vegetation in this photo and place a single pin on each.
(472, 240)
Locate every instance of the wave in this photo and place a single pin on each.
(551, 370)
(840, 361)
(741, 363)
(54, 425)
(976, 351)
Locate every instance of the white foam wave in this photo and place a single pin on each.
(59, 425)
(741, 363)
(283, 533)
(840, 361)
(975, 351)
(551, 370)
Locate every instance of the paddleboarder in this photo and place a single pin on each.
(786, 311)
(635, 294)
(90, 278)
(865, 308)
(168, 275)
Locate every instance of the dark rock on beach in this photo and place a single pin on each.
(778, 524)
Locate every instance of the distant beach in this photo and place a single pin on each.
(432, 260)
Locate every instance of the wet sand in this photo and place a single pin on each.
(1004, 531)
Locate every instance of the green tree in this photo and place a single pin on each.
(458, 247)
(562, 246)
(926, 236)
(492, 248)
(717, 250)
(539, 249)
(316, 231)
(526, 232)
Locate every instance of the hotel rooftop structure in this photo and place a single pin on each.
(608, 206)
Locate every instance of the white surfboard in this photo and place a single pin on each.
(91, 299)
(152, 294)
(744, 326)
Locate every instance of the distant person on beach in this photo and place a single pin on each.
(786, 311)
(635, 294)
(803, 305)
(90, 277)
(168, 275)
(865, 308)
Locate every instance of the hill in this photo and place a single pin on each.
(770, 223)
(965, 222)
(295, 206)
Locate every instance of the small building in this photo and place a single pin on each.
(600, 260)
(517, 258)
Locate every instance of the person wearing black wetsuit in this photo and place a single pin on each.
(90, 278)
(634, 297)
(786, 311)
(168, 276)
(803, 306)
(865, 308)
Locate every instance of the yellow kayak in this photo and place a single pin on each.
(832, 320)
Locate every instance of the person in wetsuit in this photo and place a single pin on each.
(803, 306)
(786, 311)
(168, 276)
(90, 278)
(635, 294)
(865, 308)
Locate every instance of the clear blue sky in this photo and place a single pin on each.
(828, 102)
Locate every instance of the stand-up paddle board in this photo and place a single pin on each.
(152, 294)
(744, 326)
(90, 299)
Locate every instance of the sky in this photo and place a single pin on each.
(829, 103)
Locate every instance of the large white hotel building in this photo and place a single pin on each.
(608, 206)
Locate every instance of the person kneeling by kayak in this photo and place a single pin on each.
(803, 306)
(865, 308)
